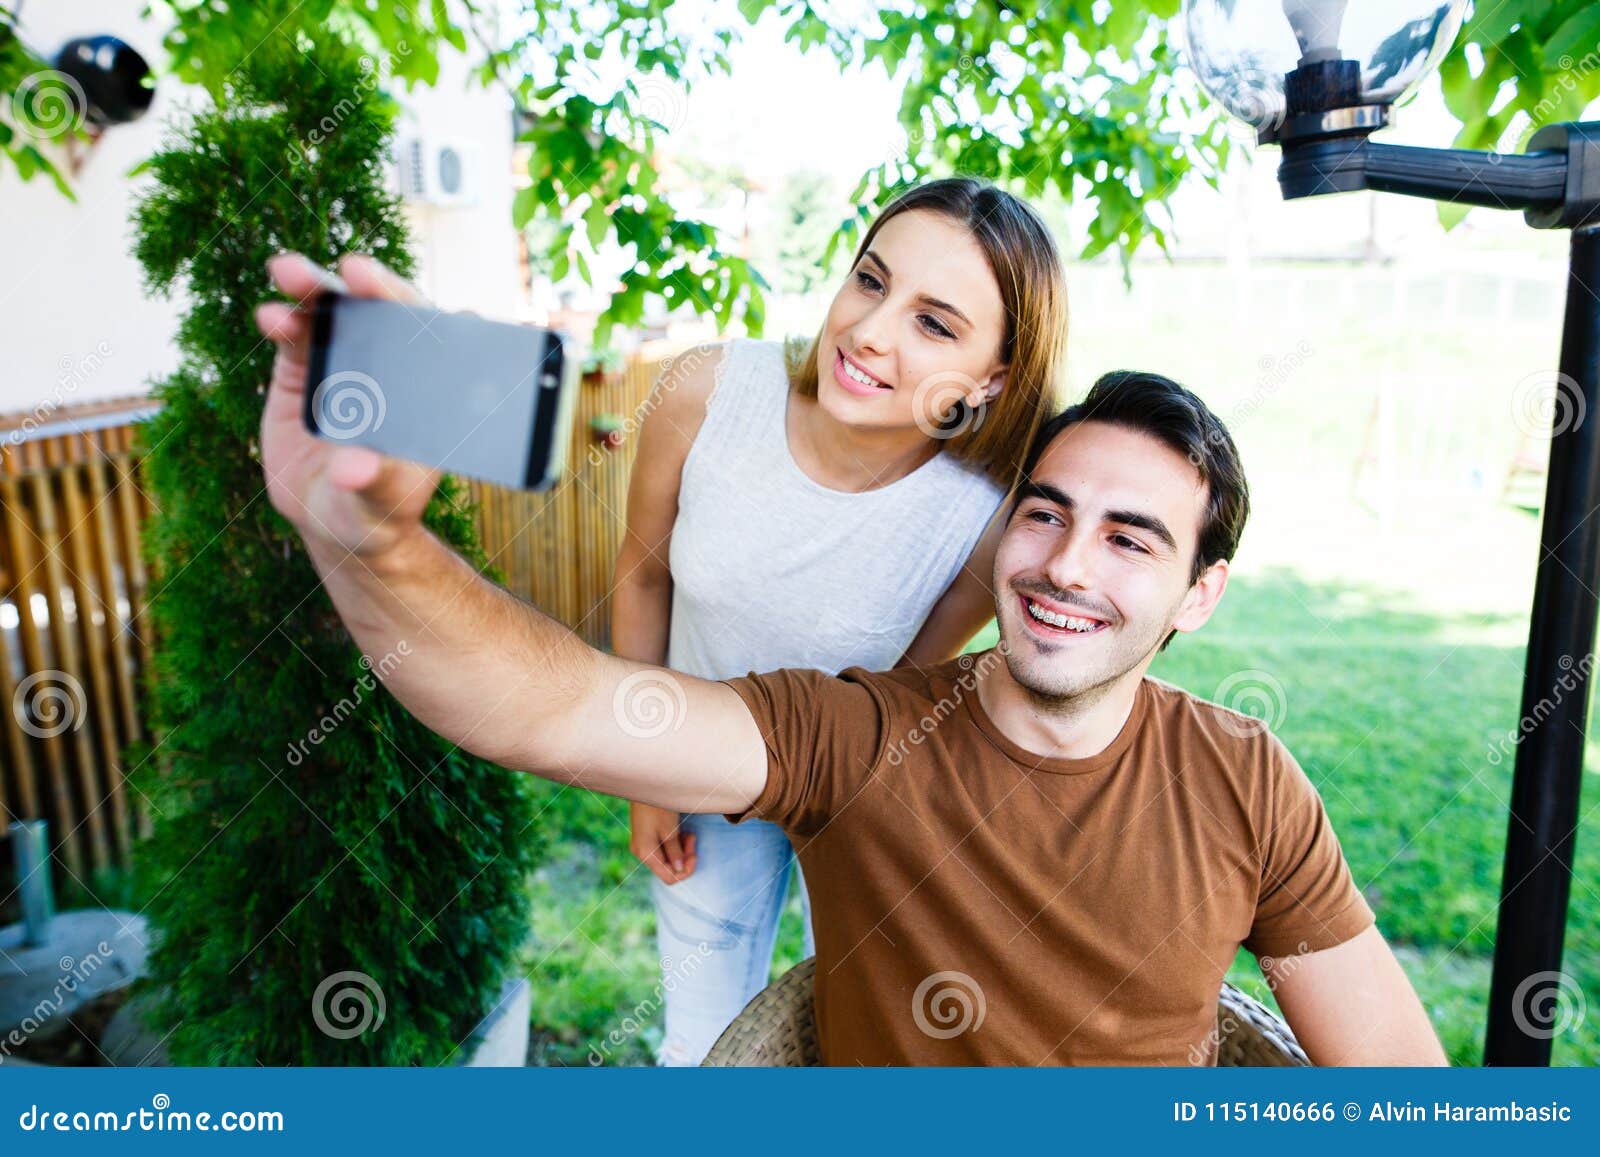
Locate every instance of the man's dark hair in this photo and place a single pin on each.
(1161, 408)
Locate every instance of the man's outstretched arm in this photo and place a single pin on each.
(480, 666)
(1352, 1005)
(506, 682)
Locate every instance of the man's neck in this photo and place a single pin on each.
(1076, 727)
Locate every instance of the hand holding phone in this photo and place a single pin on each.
(350, 497)
(477, 397)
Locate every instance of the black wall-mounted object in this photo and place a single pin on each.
(112, 77)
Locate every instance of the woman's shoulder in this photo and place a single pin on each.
(751, 377)
(704, 367)
(709, 392)
(686, 380)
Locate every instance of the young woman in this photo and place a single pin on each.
(832, 509)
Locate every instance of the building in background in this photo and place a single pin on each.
(75, 321)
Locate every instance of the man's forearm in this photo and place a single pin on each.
(477, 665)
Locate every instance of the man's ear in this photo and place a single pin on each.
(1203, 597)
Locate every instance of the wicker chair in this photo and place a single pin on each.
(777, 1029)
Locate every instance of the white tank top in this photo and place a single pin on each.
(770, 569)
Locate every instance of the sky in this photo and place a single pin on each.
(781, 109)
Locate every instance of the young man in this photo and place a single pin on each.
(1032, 856)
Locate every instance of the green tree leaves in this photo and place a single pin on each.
(1522, 64)
(1081, 99)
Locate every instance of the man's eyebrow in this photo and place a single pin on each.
(1044, 490)
(1061, 498)
(926, 299)
(1144, 522)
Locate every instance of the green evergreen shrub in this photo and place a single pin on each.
(306, 826)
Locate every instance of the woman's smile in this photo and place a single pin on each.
(853, 379)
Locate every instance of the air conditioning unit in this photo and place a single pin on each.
(439, 171)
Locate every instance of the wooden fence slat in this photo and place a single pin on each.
(19, 768)
(108, 568)
(133, 505)
(22, 769)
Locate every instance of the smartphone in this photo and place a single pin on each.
(488, 399)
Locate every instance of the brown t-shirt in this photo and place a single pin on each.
(977, 904)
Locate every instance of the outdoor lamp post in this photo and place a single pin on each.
(1317, 78)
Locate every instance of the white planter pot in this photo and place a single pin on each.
(499, 1041)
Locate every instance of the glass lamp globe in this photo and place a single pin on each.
(1266, 60)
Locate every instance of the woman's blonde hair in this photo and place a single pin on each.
(1022, 254)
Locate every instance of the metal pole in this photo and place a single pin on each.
(1537, 879)
(30, 852)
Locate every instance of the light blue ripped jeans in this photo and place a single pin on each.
(716, 930)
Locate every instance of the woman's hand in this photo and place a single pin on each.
(348, 497)
(659, 843)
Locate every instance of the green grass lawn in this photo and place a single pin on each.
(1388, 603)
(1392, 713)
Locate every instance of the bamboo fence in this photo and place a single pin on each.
(75, 636)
